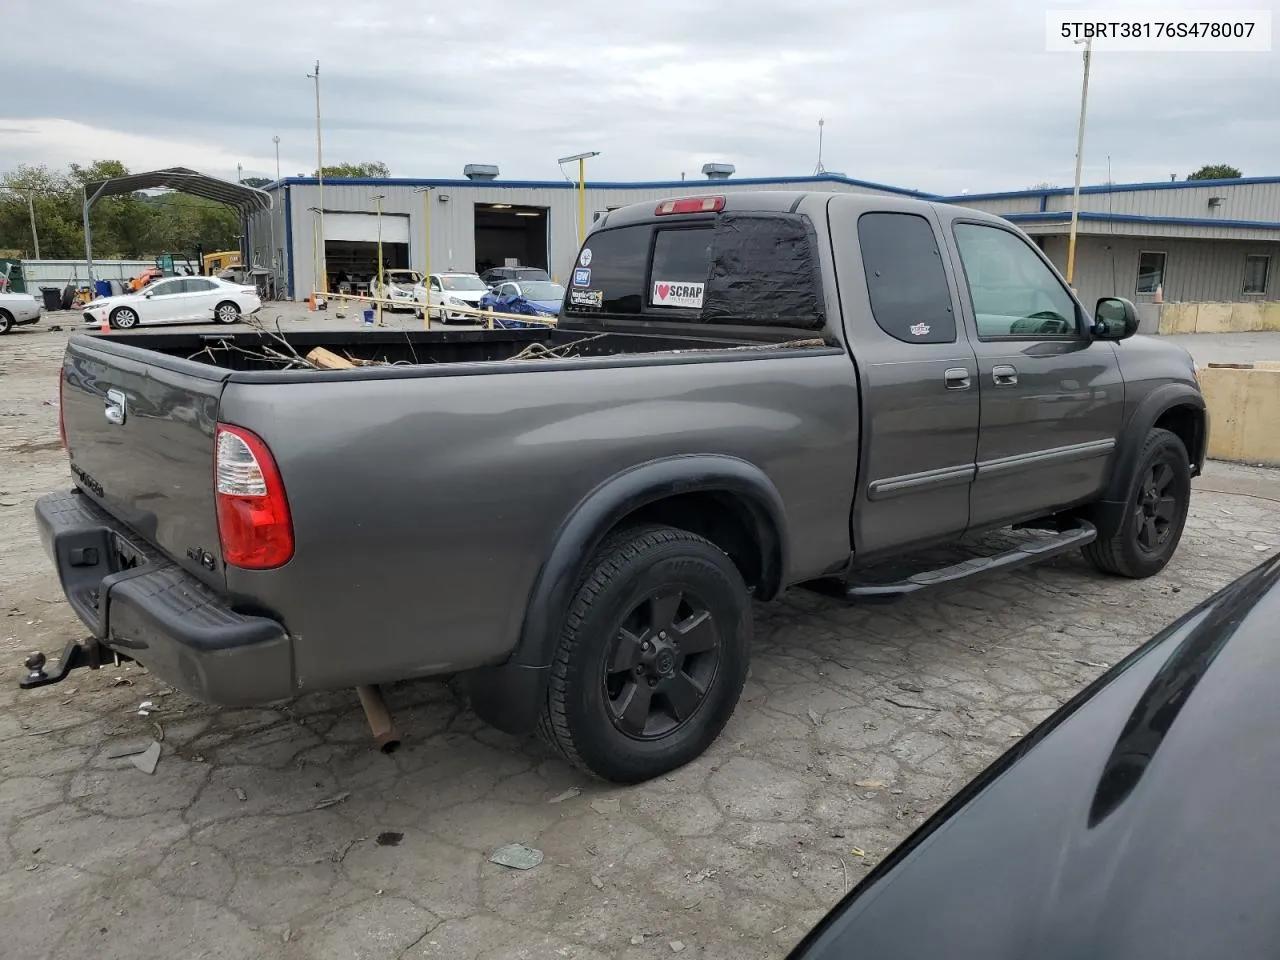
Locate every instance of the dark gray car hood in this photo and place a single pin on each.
(1141, 820)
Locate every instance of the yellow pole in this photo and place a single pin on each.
(1075, 194)
(582, 199)
(426, 279)
(382, 291)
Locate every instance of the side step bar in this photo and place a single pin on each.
(1023, 555)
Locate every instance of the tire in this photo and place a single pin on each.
(226, 312)
(124, 318)
(661, 622)
(6, 322)
(1139, 541)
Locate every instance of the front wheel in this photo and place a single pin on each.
(6, 322)
(1140, 540)
(124, 318)
(226, 312)
(652, 657)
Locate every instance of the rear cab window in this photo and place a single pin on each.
(736, 269)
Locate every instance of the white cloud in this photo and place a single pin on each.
(921, 93)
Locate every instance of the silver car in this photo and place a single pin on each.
(18, 309)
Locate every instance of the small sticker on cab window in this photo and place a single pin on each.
(582, 277)
(919, 330)
(667, 294)
(584, 258)
(586, 299)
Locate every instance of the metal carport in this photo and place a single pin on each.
(245, 199)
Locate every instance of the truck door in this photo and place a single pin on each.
(1052, 397)
(917, 376)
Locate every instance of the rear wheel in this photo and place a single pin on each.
(652, 657)
(6, 322)
(226, 312)
(1140, 540)
(124, 318)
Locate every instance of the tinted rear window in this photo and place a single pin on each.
(906, 281)
(745, 269)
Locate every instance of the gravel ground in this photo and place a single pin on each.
(278, 832)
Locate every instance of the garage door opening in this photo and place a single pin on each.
(351, 247)
(508, 235)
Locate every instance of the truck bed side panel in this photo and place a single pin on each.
(424, 509)
(154, 469)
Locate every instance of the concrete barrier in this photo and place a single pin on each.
(1224, 317)
(1244, 411)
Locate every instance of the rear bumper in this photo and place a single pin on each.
(138, 602)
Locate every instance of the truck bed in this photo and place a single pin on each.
(389, 352)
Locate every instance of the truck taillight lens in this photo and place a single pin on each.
(253, 512)
(690, 205)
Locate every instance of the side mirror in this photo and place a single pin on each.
(147, 295)
(1114, 318)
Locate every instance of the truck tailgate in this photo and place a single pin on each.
(140, 438)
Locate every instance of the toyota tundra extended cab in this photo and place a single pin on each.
(744, 393)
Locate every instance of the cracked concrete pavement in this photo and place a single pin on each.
(279, 832)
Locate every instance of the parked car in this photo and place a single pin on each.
(451, 290)
(175, 300)
(534, 298)
(398, 286)
(18, 309)
(1139, 820)
(720, 414)
(495, 275)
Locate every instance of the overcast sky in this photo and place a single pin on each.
(931, 95)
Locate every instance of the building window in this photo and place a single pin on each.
(1256, 268)
(1150, 271)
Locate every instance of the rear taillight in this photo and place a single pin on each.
(62, 417)
(253, 512)
(690, 205)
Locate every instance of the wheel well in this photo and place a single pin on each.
(1187, 423)
(733, 523)
(5, 313)
(223, 303)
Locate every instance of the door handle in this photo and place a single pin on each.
(956, 378)
(1004, 375)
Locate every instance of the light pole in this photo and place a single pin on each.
(582, 159)
(31, 210)
(324, 271)
(382, 292)
(426, 251)
(276, 141)
(1075, 193)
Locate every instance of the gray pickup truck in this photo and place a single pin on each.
(744, 393)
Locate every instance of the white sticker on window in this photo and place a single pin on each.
(584, 258)
(667, 294)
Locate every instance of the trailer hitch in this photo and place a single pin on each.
(88, 653)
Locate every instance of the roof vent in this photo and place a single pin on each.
(718, 171)
(480, 171)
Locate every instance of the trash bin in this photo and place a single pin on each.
(52, 297)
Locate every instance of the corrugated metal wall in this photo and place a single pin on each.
(453, 220)
(58, 273)
(1195, 270)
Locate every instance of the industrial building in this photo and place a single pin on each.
(1210, 240)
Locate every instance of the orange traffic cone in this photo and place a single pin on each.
(105, 325)
(311, 302)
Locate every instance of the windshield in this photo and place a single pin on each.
(403, 276)
(541, 290)
(463, 283)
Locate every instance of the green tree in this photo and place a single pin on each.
(1216, 171)
(255, 181)
(131, 226)
(370, 168)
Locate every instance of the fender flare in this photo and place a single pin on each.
(510, 695)
(601, 510)
(1154, 405)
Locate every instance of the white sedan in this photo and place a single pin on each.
(397, 286)
(451, 290)
(176, 300)
(17, 309)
